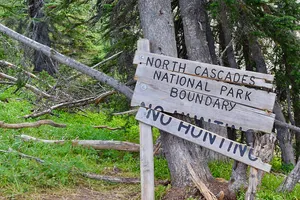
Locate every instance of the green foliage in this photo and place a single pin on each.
(279, 166)
(220, 169)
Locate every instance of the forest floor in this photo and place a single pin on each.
(59, 177)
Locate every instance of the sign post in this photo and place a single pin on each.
(146, 147)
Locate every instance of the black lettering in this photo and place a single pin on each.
(205, 72)
(221, 71)
(196, 136)
(223, 89)
(238, 77)
(172, 76)
(199, 84)
(165, 123)
(206, 84)
(230, 92)
(199, 98)
(181, 125)
(228, 77)
(235, 148)
(244, 78)
(250, 155)
(174, 62)
(252, 80)
(182, 83)
(242, 150)
(207, 103)
(189, 96)
(182, 69)
(190, 83)
(165, 77)
(229, 147)
(212, 138)
(155, 114)
(232, 104)
(174, 92)
(225, 104)
(182, 94)
(149, 62)
(165, 64)
(239, 93)
(247, 96)
(157, 75)
(196, 70)
(205, 136)
(213, 71)
(218, 122)
(221, 144)
(157, 63)
(217, 103)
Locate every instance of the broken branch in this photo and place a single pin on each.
(127, 112)
(31, 124)
(95, 144)
(107, 127)
(10, 150)
(81, 102)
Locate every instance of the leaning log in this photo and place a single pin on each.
(51, 53)
(31, 124)
(95, 144)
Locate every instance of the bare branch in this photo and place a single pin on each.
(95, 144)
(31, 124)
(130, 112)
(286, 125)
(28, 86)
(77, 103)
(107, 127)
(10, 150)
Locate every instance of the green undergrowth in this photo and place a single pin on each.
(64, 163)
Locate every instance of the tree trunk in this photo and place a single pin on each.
(226, 37)
(290, 181)
(284, 137)
(40, 34)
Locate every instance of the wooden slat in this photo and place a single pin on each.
(242, 117)
(198, 68)
(201, 137)
(146, 147)
(236, 93)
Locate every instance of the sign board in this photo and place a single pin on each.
(216, 94)
(201, 137)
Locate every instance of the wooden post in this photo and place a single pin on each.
(146, 147)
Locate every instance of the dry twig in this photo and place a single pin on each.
(31, 124)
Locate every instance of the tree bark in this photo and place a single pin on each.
(69, 61)
(284, 137)
(291, 180)
(40, 34)
(226, 37)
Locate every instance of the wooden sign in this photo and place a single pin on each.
(204, 70)
(176, 85)
(201, 137)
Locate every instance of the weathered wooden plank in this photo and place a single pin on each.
(146, 147)
(236, 93)
(212, 109)
(204, 70)
(146, 161)
(201, 137)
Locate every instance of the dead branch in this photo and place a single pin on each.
(10, 150)
(8, 64)
(121, 179)
(28, 86)
(93, 67)
(31, 124)
(52, 53)
(95, 144)
(129, 112)
(200, 185)
(107, 127)
(77, 103)
(286, 125)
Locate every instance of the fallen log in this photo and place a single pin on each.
(129, 112)
(77, 103)
(95, 144)
(31, 124)
(107, 127)
(121, 179)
